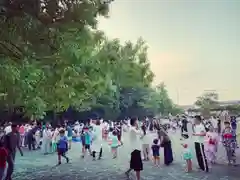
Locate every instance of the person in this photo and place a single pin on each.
(3, 160)
(69, 135)
(55, 138)
(62, 146)
(8, 128)
(97, 144)
(46, 140)
(21, 132)
(11, 142)
(114, 142)
(31, 137)
(167, 146)
(156, 152)
(211, 145)
(199, 133)
(229, 143)
(187, 156)
(82, 137)
(145, 142)
(184, 130)
(87, 141)
(234, 128)
(136, 159)
(219, 126)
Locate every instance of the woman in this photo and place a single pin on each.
(166, 144)
(145, 139)
(136, 160)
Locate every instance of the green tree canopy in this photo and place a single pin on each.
(53, 57)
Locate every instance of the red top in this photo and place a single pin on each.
(227, 136)
(3, 157)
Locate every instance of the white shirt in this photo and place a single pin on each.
(199, 128)
(145, 139)
(214, 122)
(47, 134)
(8, 129)
(134, 138)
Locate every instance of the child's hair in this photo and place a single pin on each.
(144, 129)
(114, 133)
(62, 131)
(226, 123)
(155, 141)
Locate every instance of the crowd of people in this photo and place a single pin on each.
(145, 138)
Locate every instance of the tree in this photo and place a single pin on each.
(53, 57)
(207, 102)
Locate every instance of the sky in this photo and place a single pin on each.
(194, 45)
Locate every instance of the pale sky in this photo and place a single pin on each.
(194, 45)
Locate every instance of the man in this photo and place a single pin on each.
(184, 130)
(199, 133)
(31, 137)
(11, 142)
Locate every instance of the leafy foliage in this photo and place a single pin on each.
(207, 102)
(53, 57)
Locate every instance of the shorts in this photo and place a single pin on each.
(136, 161)
(70, 138)
(61, 151)
(87, 146)
(156, 157)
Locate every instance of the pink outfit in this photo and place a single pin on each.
(21, 130)
(211, 145)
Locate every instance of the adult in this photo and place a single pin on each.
(166, 144)
(31, 137)
(234, 127)
(145, 139)
(22, 135)
(69, 135)
(214, 123)
(199, 133)
(184, 129)
(136, 159)
(11, 142)
(97, 143)
(46, 140)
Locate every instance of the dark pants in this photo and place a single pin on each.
(31, 143)
(10, 161)
(201, 157)
(168, 155)
(100, 154)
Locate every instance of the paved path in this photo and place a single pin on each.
(34, 166)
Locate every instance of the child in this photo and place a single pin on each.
(211, 145)
(62, 146)
(3, 160)
(156, 152)
(55, 138)
(87, 139)
(187, 156)
(114, 142)
(229, 143)
(82, 137)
